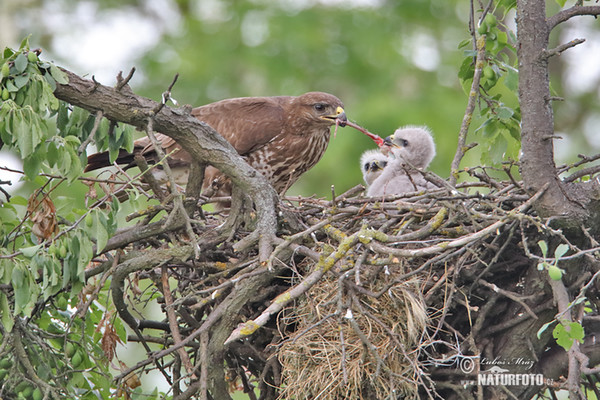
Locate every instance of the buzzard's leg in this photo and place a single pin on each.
(149, 178)
(193, 188)
(240, 213)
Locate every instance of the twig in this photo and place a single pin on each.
(122, 82)
(166, 96)
(84, 144)
(185, 359)
(558, 50)
(513, 296)
(466, 122)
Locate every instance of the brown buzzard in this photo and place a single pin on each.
(282, 137)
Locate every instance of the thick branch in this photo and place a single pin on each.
(537, 124)
(199, 139)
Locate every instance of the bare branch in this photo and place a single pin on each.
(462, 148)
(563, 47)
(569, 13)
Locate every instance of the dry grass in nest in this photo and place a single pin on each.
(354, 345)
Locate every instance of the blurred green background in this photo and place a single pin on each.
(391, 62)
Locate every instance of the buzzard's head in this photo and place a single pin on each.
(321, 108)
(413, 144)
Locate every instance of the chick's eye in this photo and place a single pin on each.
(404, 142)
(366, 166)
(319, 106)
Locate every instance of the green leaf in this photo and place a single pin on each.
(62, 119)
(31, 251)
(21, 285)
(504, 113)
(58, 75)
(576, 331)
(10, 86)
(21, 132)
(128, 138)
(7, 53)
(561, 250)
(467, 69)
(25, 43)
(561, 3)
(544, 247)
(75, 169)
(18, 200)
(464, 43)
(511, 79)
(6, 319)
(52, 154)
(32, 166)
(562, 337)
(21, 63)
(543, 328)
(21, 81)
(566, 333)
(51, 82)
(101, 231)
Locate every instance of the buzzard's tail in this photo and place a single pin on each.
(101, 160)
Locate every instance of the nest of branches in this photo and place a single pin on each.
(365, 330)
(361, 298)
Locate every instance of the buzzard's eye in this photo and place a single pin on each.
(383, 164)
(366, 166)
(319, 106)
(404, 142)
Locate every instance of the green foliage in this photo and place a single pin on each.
(499, 111)
(565, 332)
(44, 249)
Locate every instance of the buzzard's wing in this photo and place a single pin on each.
(247, 123)
(171, 148)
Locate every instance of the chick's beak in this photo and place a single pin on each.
(389, 141)
(376, 166)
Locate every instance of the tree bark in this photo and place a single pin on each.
(568, 202)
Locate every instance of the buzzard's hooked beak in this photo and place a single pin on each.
(339, 117)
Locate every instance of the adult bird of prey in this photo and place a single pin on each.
(410, 147)
(282, 137)
(372, 163)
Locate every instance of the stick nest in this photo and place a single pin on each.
(369, 353)
(361, 298)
